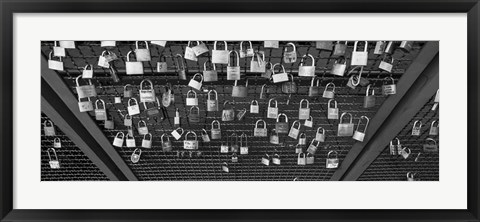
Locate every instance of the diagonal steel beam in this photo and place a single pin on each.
(420, 93)
(428, 52)
(66, 96)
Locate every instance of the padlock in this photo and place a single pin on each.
(67, 44)
(100, 113)
(268, 71)
(118, 141)
(301, 159)
(135, 157)
(127, 93)
(294, 130)
(394, 149)
(356, 79)
(332, 113)
(260, 132)
(290, 56)
(360, 58)
(105, 58)
(410, 176)
(276, 159)
(147, 95)
(332, 162)
(85, 106)
(142, 55)
(117, 100)
(405, 153)
(142, 130)
(234, 158)
(85, 90)
(264, 91)
(220, 56)
(189, 53)
(324, 45)
(159, 43)
(312, 148)
(360, 135)
(329, 93)
(281, 127)
(379, 48)
(304, 112)
(270, 44)
(57, 143)
(216, 133)
(166, 144)
(195, 83)
(339, 68)
(212, 104)
(289, 86)
(416, 129)
(304, 70)
(127, 121)
(130, 130)
(247, 52)
(320, 136)
(298, 148)
(314, 90)
(153, 111)
(310, 159)
(109, 124)
(369, 100)
(108, 43)
(162, 65)
(200, 48)
(259, 65)
(205, 136)
(180, 67)
(240, 91)
(234, 143)
(53, 162)
(274, 139)
(241, 113)
(194, 115)
(54, 64)
(87, 73)
(176, 118)
(433, 128)
(192, 99)
(233, 72)
(147, 143)
(133, 109)
(254, 107)
(225, 146)
(386, 65)
(389, 88)
(133, 67)
(190, 144)
(428, 147)
(225, 167)
(58, 51)
(272, 112)
(210, 75)
(345, 129)
(130, 141)
(302, 140)
(228, 114)
(281, 76)
(168, 96)
(389, 48)
(339, 49)
(309, 122)
(266, 159)
(406, 45)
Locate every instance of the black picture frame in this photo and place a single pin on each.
(9, 7)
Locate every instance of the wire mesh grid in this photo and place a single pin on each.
(179, 165)
(74, 165)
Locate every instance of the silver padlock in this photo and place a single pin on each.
(369, 100)
(268, 71)
(360, 135)
(332, 162)
(192, 99)
(338, 68)
(304, 70)
(147, 94)
(87, 73)
(118, 141)
(301, 159)
(281, 127)
(389, 87)
(254, 107)
(241, 113)
(216, 132)
(162, 65)
(294, 130)
(205, 136)
(200, 48)
(85, 90)
(406, 45)
(133, 109)
(240, 91)
(108, 43)
(234, 158)
(109, 124)
(130, 141)
(57, 143)
(298, 149)
(233, 71)
(290, 56)
(225, 146)
(142, 55)
(410, 176)
(142, 130)
(329, 93)
(290, 86)
(309, 122)
(276, 159)
(379, 48)
(53, 162)
(243, 144)
(434, 128)
(127, 93)
(58, 51)
(345, 129)
(105, 58)
(339, 49)
(194, 114)
(234, 143)
(147, 143)
(209, 75)
(395, 149)
(405, 152)
(272, 112)
(135, 157)
(54, 64)
(313, 147)
(85, 106)
(302, 140)
(190, 144)
(159, 43)
(320, 136)
(304, 112)
(228, 114)
(166, 144)
(417, 128)
(220, 56)
(259, 65)
(266, 159)
(100, 113)
(430, 147)
(133, 67)
(274, 139)
(67, 44)
(324, 45)
(386, 65)
(189, 53)
(281, 76)
(258, 131)
(212, 104)
(356, 79)
(271, 44)
(314, 90)
(310, 159)
(225, 167)
(247, 52)
(389, 48)
(127, 121)
(360, 58)
(332, 113)
(194, 83)
(180, 67)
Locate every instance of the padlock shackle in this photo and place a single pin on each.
(411, 175)
(215, 45)
(130, 136)
(301, 155)
(190, 132)
(129, 100)
(365, 49)
(295, 122)
(332, 152)
(195, 107)
(366, 124)
(330, 84)
(323, 130)
(148, 134)
(238, 58)
(86, 66)
(231, 138)
(136, 44)
(368, 89)
(241, 44)
(303, 136)
(273, 68)
(359, 76)
(343, 114)
(306, 57)
(213, 124)
(193, 92)
(54, 154)
(339, 59)
(313, 81)
(123, 135)
(164, 134)
(389, 78)
(433, 122)
(212, 90)
(198, 74)
(313, 141)
(269, 103)
(148, 81)
(261, 120)
(261, 92)
(50, 56)
(56, 140)
(188, 44)
(398, 141)
(225, 103)
(204, 132)
(177, 65)
(47, 121)
(415, 123)
(141, 121)
(256, 102)
(205, 65)
(310, 118)
(128, 56)
(179, 128)
(282, 114)
(139, 152)
(329, 102)
(258, 57)
(304, 100)
(430, 139)
(96, 103)
(293, 46)
(125, 87)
